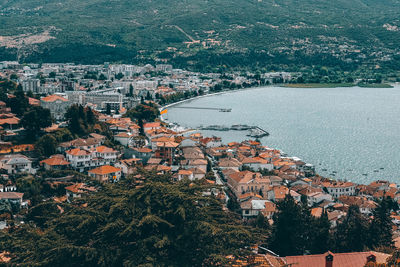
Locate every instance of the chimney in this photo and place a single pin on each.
(371, 258)
(329, 260)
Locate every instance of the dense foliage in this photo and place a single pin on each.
(296, 232)
(161, 223)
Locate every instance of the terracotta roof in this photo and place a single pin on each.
(11, 195)
(354, 259)
(104, 149)
(106, 169)
(185, 172)
(152, 125)
(53, 98)
(79, 188)
(13, 120)
(33, 101)
(167, 144)
(55, 161)
(143, 149)
(78, 152)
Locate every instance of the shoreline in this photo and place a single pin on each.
(355, 180)
(287, 85)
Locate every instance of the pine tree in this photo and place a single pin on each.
(321, 239)
(381, 226)
(290, 232)
(352, 234)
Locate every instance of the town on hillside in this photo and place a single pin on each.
(69, 131)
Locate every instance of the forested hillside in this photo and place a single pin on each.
(205, 33)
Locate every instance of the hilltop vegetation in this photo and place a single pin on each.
(270, 34)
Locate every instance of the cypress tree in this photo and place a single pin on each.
(381, 225)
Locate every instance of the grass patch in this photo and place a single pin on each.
(318, 85)
(375, 85)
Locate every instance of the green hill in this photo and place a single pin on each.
(346, 34)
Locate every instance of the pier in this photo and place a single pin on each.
(254, 131)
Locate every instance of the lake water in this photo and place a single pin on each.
(351, 131)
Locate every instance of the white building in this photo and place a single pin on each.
(16, 163)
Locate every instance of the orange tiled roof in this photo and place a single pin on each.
(78, 152)
(104, 149)
(53, 98)
(106, 169)
(354, 259)
(55, 161)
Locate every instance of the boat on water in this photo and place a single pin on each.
(225, 110)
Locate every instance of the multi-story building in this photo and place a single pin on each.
(338, 189)
(82, 159)
(58, 105)
(32, 85)
(16, 163)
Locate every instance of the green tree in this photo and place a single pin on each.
(290, 232)
(46, 145)
(158, 224)
(18, 104)
(352, 233)
(321, 236)
(35, 119)
(381, 225)
(146, 112)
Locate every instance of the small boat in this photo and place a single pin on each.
(225, 110)
(334, 171)
(365, 174)
(324, 170)
(381, 168)
(376, 170)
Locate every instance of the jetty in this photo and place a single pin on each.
(254, 131)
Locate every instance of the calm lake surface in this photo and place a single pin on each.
(351, 132)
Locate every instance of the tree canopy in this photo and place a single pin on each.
(161, 223)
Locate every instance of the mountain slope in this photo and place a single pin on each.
(353, 32)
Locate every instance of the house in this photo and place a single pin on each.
(12, 197)
(257, 163)
(123, 138)
(314, 198)
(229, 163)
(195, 163)
(79, 158)
(277, 193)
(106, 173)
(55, 162)
(166, 151)
(128, 166)
(211, 142)
(247, 181)
(329, 259)
(57, 105)
(143, 153)
(337, 189)
(77, 190)
(185, 174)
(89, 143)
(151, 126)
(83, 159)
(16, 163)
(188, 142)
(252, 207)
(105, 155)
